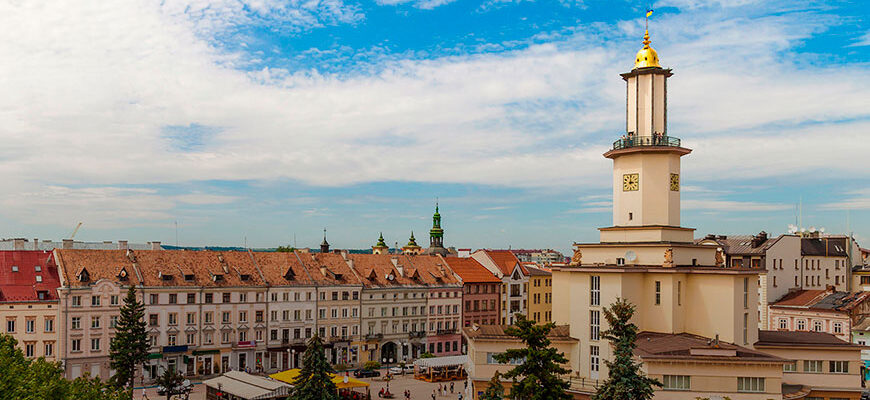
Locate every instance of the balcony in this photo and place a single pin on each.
(446, 331)
(245, 344)
(646, 141)
(374, 336)
(416, 334)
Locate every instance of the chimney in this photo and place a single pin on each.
(122, 245)
(35, 243)
(155, 246)
(18, 244)
(67, 243)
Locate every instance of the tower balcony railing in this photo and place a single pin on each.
(645, 141)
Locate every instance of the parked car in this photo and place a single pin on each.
(366, 373)
(397, 370)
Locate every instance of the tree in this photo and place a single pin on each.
(171, 382)
(285, 249)
(538, 377)
(495, 391)
(314, 382)
(27, 379)
(129, 347)
(625, 379)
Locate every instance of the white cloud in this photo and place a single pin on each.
(856, 200)
(423, 4)
(727, 205)
(863, 40)
(95, 84)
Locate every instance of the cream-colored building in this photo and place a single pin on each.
(820, 366)
(515, 281)
(647, 257)
(485, 341)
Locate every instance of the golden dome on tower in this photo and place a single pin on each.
(647, 56)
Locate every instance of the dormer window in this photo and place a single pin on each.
(37, 268)
(338, 277)
(188, 277)
(84, 276)
(372, 275)
(38, 278)
(14, 268)
(290, 275)
(41, 294)
(122, 274)
(217, 277)
(245, 277)
(165, 277)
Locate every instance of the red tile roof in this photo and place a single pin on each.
(420, 270)
(800, 298)
(100, 264)
(655, 345)
(801, 338)
(22, 285)
(328, 268)
(470, 271)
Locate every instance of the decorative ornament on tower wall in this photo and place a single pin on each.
(576, 258)
(669, 258)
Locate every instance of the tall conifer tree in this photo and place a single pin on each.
(495, 390)
(129, 347)
(539, 376)
(625, 379)
(314, 382)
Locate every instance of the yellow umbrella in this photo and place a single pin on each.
(291, 375)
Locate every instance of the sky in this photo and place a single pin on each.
(262, 122)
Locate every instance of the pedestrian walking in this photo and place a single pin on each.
(460, 396)
(433, 394)
(451, 387)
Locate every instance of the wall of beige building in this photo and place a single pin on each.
(705, 304)
(86, 318)
(292, 312)
(34, 324)
(338, 322)
(391, 315)
(812, 367)
(710, 379)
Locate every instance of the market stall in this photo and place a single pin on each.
(237, 385)
(441, 369)
(348, 387)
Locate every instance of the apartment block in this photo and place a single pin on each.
(29, 301)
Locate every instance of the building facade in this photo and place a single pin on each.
(515, 281)
(540, 295)
(29, 301)
(827, 311)
(481, 292)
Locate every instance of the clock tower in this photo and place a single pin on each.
(646, 160)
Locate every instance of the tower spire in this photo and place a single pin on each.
(324, 245)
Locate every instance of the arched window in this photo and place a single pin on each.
(783, 323)
(801, 325)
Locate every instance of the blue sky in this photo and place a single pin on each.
(268, 120)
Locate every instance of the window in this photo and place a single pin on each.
(173, 298)
(838, 327)
(595, 290)
(783, 323)
(49, 324)
(679, 293)
(243, 316)
(191, 318)
(813, 366)
(817, 326)
(28, 350)
(750, 384)
(49, 349)
(76, 323)
(173, 319)
(839, 367)
(208, 315)
(113, 321)
(658, 292)
(226, 298)
(95, 322)
(865, 280)
(76, 301)
(225, 317)
(594, 324)
(209, 298)
(29, 326)
(171, 340)
(191, 339)
(745, 328)
(620, 261)
(675, 382)
(113, 300)
(801, 325)
(790, 367)
(594, 359)
(154, 298)
(153, 319)
(76, 345)
(95, 344)
(745, 292)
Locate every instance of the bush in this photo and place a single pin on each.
(427, 355)
(341, 367)
(370, 365)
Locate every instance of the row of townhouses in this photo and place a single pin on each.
(214, 311)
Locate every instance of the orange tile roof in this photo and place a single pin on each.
(470, 271)
(275, 267)
(419, 270)
(328, 268)
(505, 260)
(100, 264)
(800, 298)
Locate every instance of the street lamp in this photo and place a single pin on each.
(289, 365)
(293, 359)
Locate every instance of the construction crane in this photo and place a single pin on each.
(76, 230)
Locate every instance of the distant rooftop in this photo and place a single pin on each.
(48, 245)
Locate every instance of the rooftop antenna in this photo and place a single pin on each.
(176, 233)
(294, 241)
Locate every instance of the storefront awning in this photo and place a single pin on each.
(204, 352)
(248, 387)
(154, 356)
(341, 382)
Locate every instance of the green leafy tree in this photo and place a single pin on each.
(27, 379)
(285, 249)
(427, 355)
(129, 347)
(371, 365)
(314, 382)
(495, 390)
(172, 383)
(539, 376)
(625, 379)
